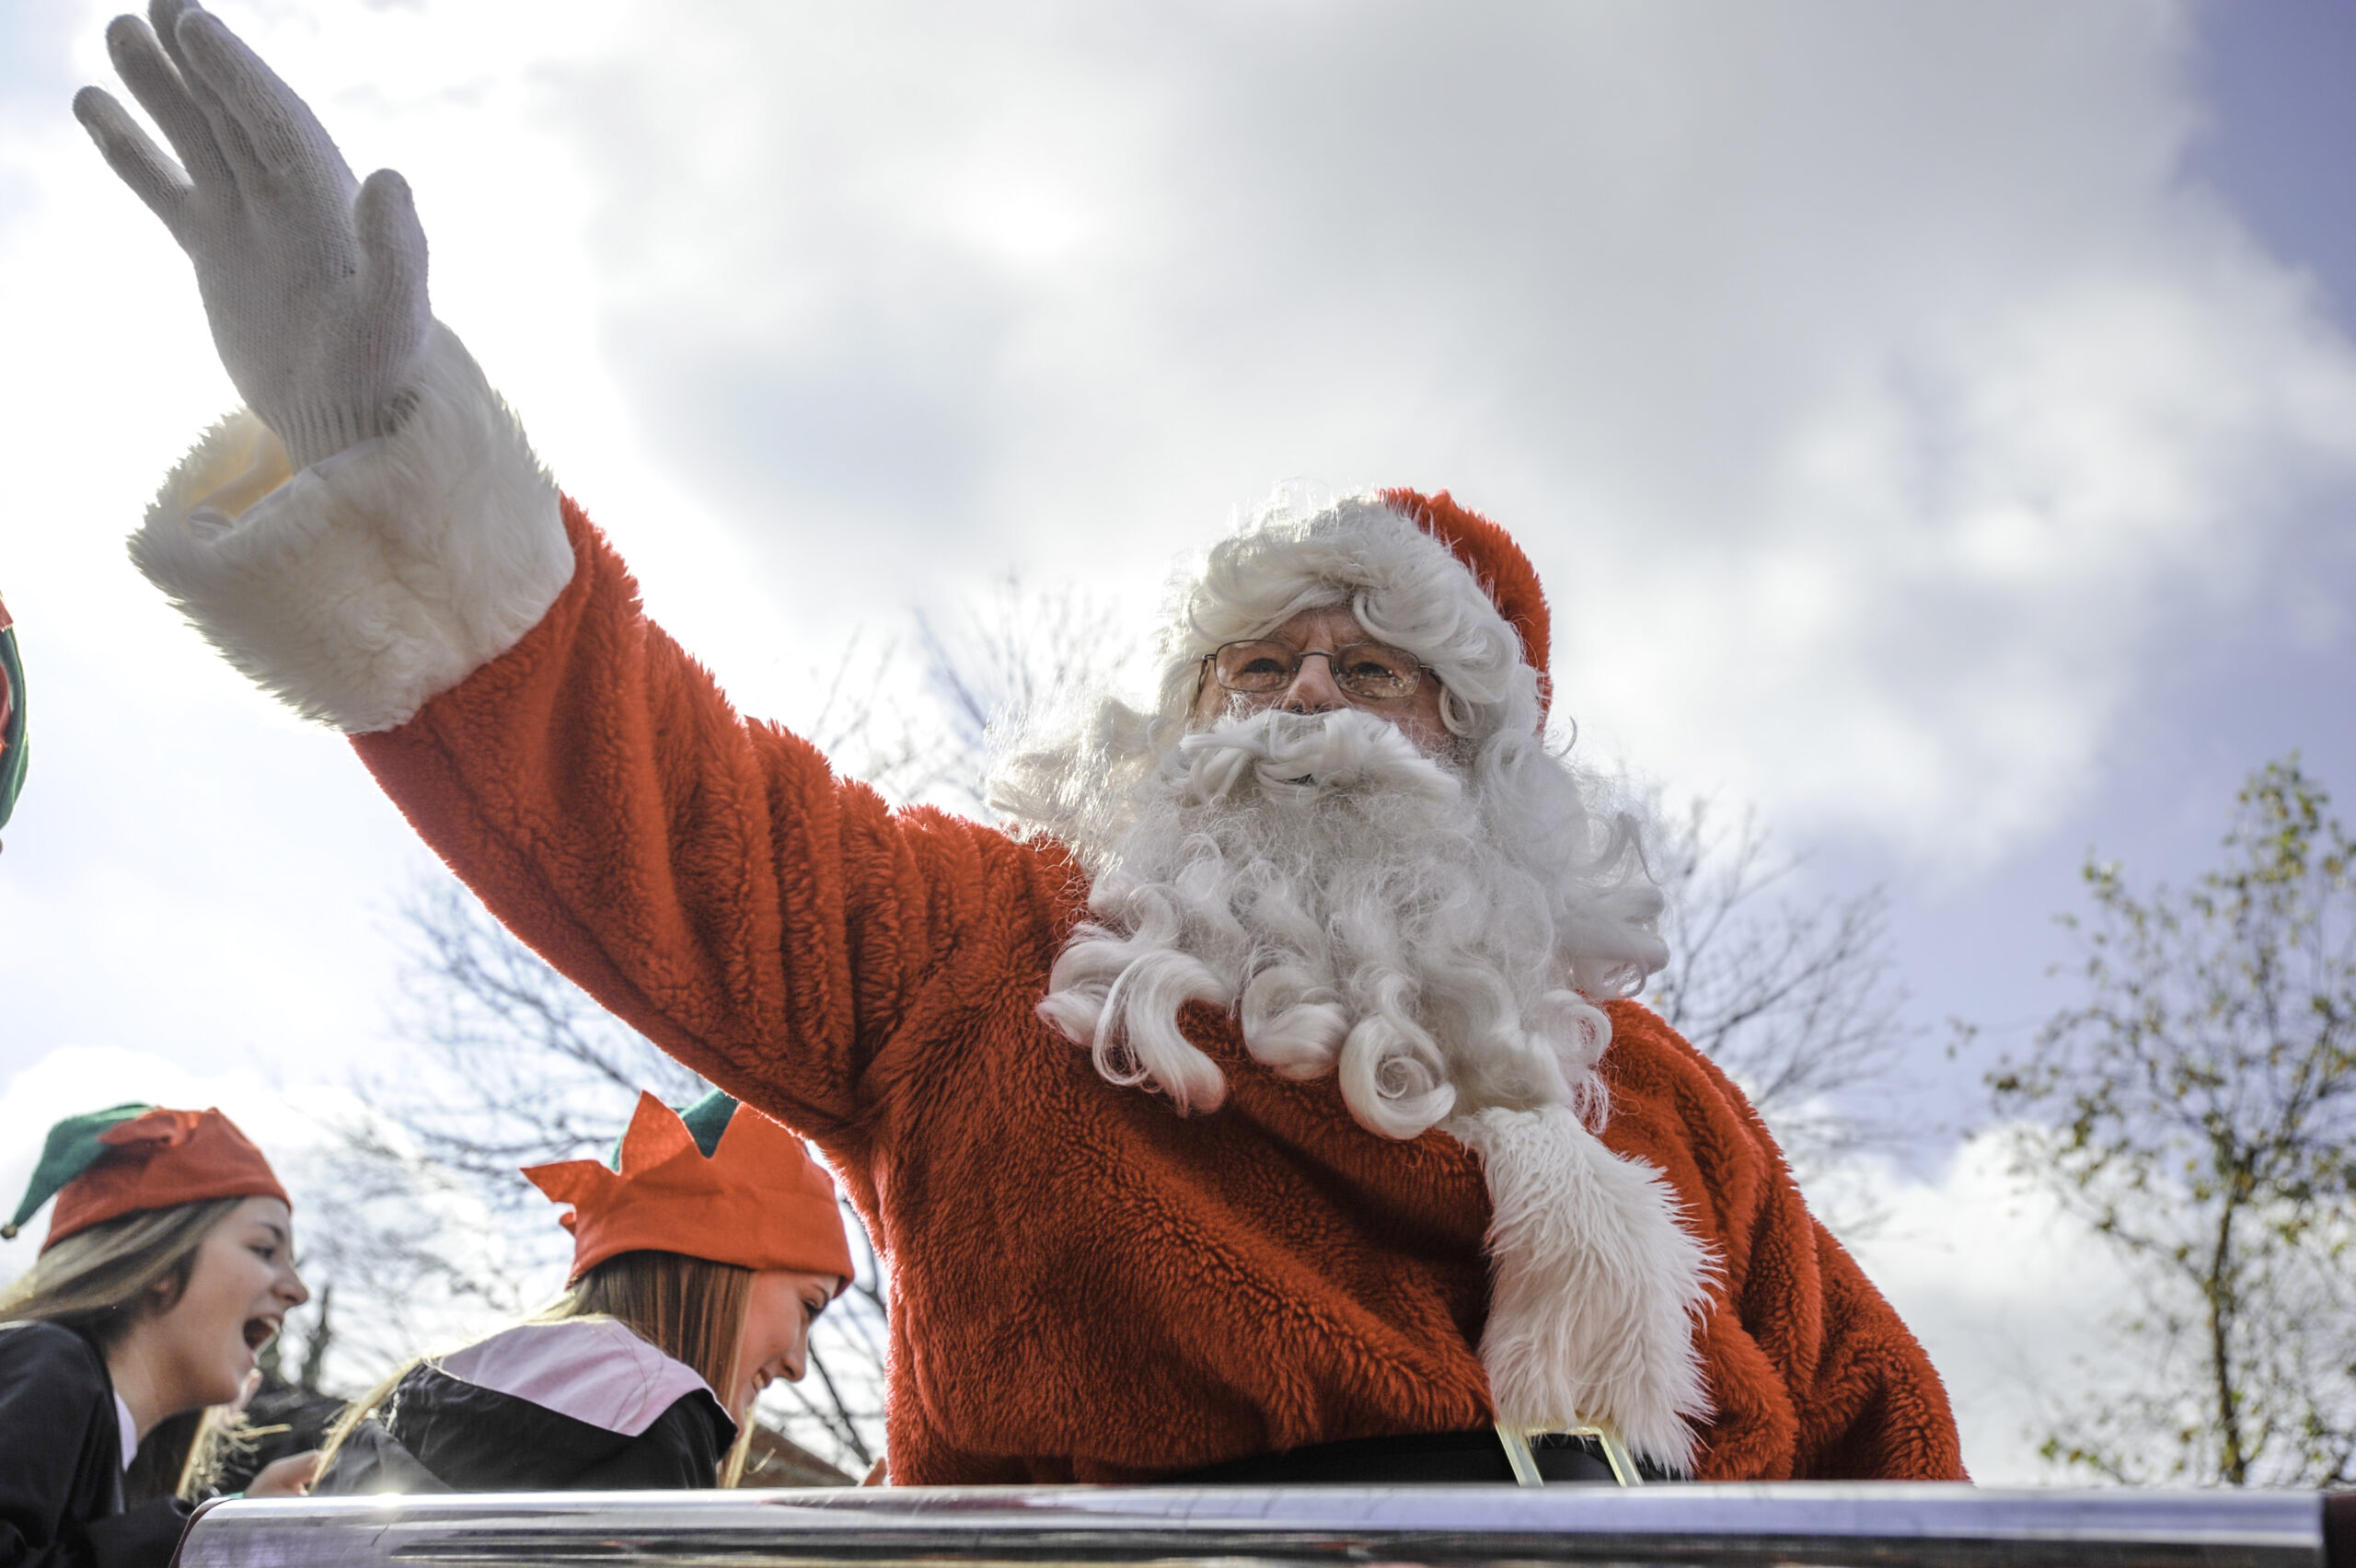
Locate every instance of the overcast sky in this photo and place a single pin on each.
(1935, 424)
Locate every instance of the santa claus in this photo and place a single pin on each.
(1260, 1099)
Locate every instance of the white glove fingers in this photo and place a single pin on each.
(392, 262)
(140, 59)
(279, 124)
(152, 176)
(237, 149)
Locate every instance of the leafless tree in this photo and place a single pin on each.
(878, 721)
(2198, 1110)
(429, 1232)
(1021, 652)
(1797, 997)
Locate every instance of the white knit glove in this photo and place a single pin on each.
(315, 286)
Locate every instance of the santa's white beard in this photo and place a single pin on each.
(1343, 893)
(1364, 910)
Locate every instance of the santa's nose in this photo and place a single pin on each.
(1312, 689)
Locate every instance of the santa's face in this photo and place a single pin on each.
(1314, 688)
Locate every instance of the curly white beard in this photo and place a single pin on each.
(1359, 909)
(1424, 930)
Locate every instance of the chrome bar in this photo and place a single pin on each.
(1797, 1526)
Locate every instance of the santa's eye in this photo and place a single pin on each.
(1373, 670)
(1256, 666)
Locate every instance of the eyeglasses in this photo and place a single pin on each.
(1369, 671)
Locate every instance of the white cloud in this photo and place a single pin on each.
(2011, 1300)
(1869, 383)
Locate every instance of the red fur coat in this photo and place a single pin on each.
(1089, 1287)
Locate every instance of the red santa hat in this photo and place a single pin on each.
(750, 1195)
(1496, 562)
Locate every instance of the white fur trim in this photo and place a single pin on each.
(593, 1369)
(1596, 1288)
(379, 577)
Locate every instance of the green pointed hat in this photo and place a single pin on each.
(12, 719)
(72, 1147)
(706, 1120)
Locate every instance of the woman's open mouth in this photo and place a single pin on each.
(258, 1332)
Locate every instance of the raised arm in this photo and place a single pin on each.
(376, 542)
(710, 880)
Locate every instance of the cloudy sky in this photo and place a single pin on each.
(1935, 426)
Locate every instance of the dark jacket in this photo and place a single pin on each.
(61, 1461)
(624, 1417)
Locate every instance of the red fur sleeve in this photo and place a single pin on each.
(707, 878)
(1814, 1375)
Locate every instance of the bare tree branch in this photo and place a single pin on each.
(429, 1233)
(1021, 653)
(1798, 999)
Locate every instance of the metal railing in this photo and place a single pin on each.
(1797, 1526)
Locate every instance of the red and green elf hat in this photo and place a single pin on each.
(12, 718)
(104, 1164)
(719, 1181)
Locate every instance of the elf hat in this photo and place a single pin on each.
(105, 1164)
(1494, 561)
(720, 1181)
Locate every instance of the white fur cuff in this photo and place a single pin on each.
(373, 579)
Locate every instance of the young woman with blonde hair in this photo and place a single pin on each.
(169, 1263)
(700, 1260)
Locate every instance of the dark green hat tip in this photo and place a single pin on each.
(706, 1120)
(12, 730)
(71, 1148)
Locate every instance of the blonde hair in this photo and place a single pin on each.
(100, 1282)
(691, 1309)
(190, 1455)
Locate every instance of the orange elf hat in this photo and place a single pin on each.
(105, 1164)
(747, 1194)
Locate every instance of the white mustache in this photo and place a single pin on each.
(1306, 756)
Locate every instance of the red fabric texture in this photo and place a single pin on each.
(161, 1159)
(760, 1201)
(1089, 1286)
